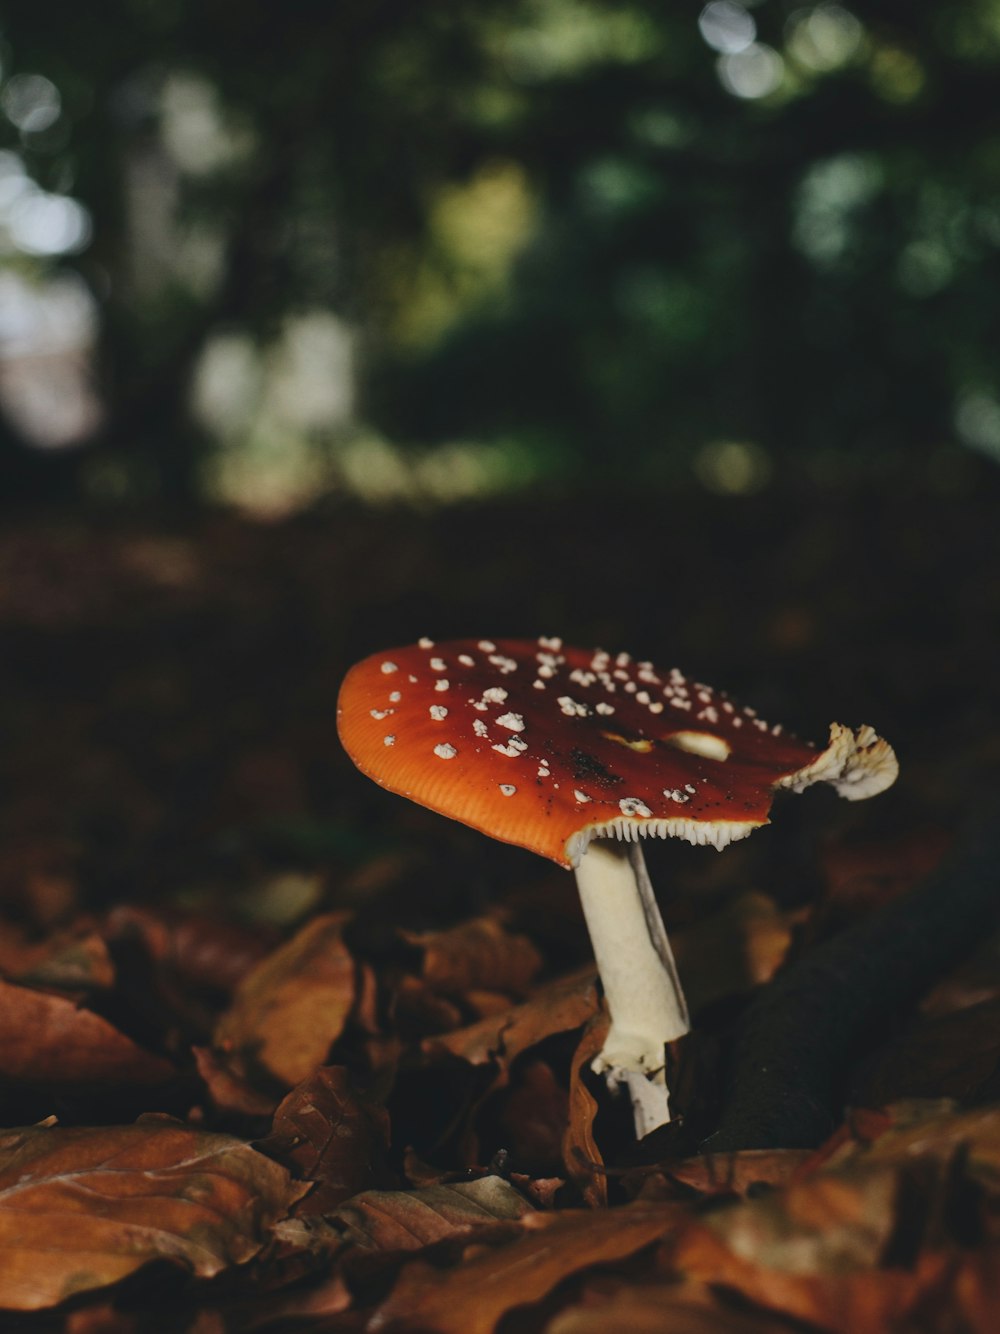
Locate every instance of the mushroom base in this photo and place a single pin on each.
(637, 971)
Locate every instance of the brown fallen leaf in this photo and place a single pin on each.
(191, 948)
(932, 1128)
(724, 1173)
(82, 1208)
(228, 1088)
(861, 876)
(479, 954)
(73, 959)
(331, 1135)
(977, 1290)
(473, 1298)
(417, 1010)
(580, 1150)
(867, 1242)
(530, 1117)
(557, 1007)
(293, 1005)
(660, 1308)
(953, 1055)
(733, 950)
(976, 979)
(406, 1220)
(51, 1041)
(861, 1299)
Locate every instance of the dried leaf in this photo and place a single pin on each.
(228, 1088)
(726, 1173)
(473, 1298)
(194, 948)
(977, 1290)
(405, 1220)
(733, 950)
(81, 1208)
(530, 1116)
(861, 876)
(581, 1153)
(923, 1129)
(660, 1308)
(479, 953)
(830, 1221)
(950, 1055)
(75, 959)
(293, 1005)
(50, 1040)
(557, 1007)
(418, 1011)
(975, 980)
(859, 1298)
(859, 1244)
(332, 1135)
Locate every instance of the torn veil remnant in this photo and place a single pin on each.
(579, 755)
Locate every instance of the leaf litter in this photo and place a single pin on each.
(367, 1104)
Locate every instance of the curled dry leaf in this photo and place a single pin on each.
(331, 1135)
(868, 1241)
(293, 1005)
(581, 1153)
(81, 1208)
(557, 1007)
(473, 1298)
(725, 1173)
(50, 1040)
(406, 1220)
(228, 1088)
(478, 954)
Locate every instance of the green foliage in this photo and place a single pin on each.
(591, 228)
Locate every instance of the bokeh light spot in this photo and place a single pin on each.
(753, 72)
(823, 38)
(732, 467)
(31, 102)
(44, 224)
(726, 26)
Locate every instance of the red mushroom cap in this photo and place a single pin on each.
(548, 747)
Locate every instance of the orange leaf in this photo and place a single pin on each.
(478, 953)
(660, 1308)
(473, 1298)
(580, 1151)
(557, 1007)
(50, 1040)
(81, 1208)
(293, 1005)
(730, 1173)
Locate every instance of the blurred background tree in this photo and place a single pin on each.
(255, 254)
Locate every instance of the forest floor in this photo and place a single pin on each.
(281, 1051)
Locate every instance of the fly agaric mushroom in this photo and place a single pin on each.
(578, 756)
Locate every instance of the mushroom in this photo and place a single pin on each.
(579, 755)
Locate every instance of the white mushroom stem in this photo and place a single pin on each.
(637, 970)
